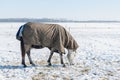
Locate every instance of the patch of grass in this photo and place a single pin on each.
(103, 78)
(40, 76)
(85, 70)
(42, 62)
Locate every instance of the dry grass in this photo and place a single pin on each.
(85, 70)
(41, 62)
(43, 76)
(40, 76)
(103, 78)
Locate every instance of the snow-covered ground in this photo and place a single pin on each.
(97, 58)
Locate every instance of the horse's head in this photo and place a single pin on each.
(71, 55)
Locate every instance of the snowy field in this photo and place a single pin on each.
(97, 58)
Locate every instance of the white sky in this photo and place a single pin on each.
(68, 9)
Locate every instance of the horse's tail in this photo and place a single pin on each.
(19, 33)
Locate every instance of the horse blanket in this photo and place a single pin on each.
(48, 35)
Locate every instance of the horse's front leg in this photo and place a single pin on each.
(61, 59)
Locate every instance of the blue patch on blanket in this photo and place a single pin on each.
(19, 33)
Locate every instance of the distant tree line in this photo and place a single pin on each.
(34, 20)
(51, 20)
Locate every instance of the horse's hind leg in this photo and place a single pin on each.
(23, 52)
(49, 59)
(29, 57)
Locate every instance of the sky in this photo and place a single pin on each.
(61, 9)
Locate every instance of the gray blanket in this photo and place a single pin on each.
(48, 35)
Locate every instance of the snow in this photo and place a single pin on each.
(97, 57)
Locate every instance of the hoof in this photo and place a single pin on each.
(64, 65)
(49, 64)
(33, 64)
(25, 66)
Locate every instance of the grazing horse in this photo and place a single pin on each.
(53, 36)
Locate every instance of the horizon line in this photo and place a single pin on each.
(51, 20)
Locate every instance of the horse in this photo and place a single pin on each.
(53, 36)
